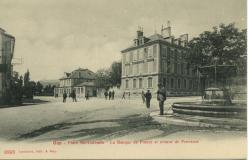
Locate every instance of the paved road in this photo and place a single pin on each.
(93, 119)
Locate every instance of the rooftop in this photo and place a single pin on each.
(86, 84)
(79, 73)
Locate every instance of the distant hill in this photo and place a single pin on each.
(49, 82)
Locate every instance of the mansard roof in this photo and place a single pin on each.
(80, 73)
(155, 38)
(86, 84)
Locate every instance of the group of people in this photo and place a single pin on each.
(109, 95)
(161, 97)
(74, 96)
(146, 97)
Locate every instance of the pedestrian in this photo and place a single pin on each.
(64, 97)
(106, 95)
(143, 96)
(161, 97)
(148, 97)
(73, 95)
(87, 95)
(113, 95)
(128, 95)
(110, 94)
(123, 96)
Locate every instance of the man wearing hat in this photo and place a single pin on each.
(161, 97)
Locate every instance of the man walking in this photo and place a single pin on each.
(113, 95)
(87, 95)
(161, 97)
(64, 97)
(110, 94)
(123, 96)
(143, 97)
(73, 95)
(106, 95)
(148, 97)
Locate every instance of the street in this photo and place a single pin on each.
(95, 119)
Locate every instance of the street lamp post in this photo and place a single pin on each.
(215, 71)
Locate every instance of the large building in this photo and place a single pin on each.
(7, 43)
(159, 58)
(80, 80)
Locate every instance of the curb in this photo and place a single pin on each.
(180, 120)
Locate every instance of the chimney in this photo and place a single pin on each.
(184, 39)
(166, 32)
(139, 32)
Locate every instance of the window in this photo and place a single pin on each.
(168, 53)
(175, 67)
(135, 69)
(127, 70)
(155, 50)
(168, 67)
(127, 84)
(124, 58)
(145, 67)
(149, 82)
(130, 70)
(130, 56)
(145, 52)
(150, 54)
(175, 55)
(141, 55)
(172, 83)
(190, 84)
(163, 52)
(184, 83)
(163, 66)
(140, 68)
(155, 65)
(135, 58)
(182, 68)
(179, 83)
(134, 83)
(164, 81)
(187, 69)
(150, 66)
(138, 55)
(140, 83)
(179, 68)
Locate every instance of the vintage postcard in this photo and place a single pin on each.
(123, 79)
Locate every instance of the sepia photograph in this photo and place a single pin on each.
(123, 79)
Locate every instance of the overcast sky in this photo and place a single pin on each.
(56, 36)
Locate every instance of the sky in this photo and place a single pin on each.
(57, 36)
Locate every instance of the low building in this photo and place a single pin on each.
(80, 80)
(7, 43)
(159, 58)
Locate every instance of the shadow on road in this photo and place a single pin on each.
(129, 124)
(26, 102)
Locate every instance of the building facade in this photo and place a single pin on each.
(159, 58)
(7, 43)
(79, 80)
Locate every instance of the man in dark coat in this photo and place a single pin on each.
(123, 96)
(73, 95)
(87, 95)
(148, 97)
(110, 94)
(106, 95)
(113, 95)
(64, 97)
(161, 97)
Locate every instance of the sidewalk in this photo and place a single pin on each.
(199, 121)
